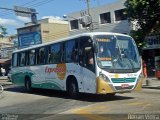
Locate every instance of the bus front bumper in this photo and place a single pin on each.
(104, 87)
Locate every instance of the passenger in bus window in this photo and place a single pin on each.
(42, 58)
(31, 59)
(50, 58)
(90, 60)
(23, 60)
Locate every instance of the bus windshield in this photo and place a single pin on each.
(117, 54)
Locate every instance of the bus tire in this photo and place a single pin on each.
(111, 94)
(28, 84)
(72, 89)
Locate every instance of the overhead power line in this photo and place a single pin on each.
(33, 3)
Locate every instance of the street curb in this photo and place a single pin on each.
(151, 87)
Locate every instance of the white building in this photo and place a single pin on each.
(106, 18)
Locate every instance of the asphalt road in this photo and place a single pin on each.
(16, 103)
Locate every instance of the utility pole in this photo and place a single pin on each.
(89, 17)
(88, 7)
(89, 13)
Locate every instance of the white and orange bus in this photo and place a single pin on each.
(97, 62)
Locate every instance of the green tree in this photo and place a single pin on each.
(3, 31)
(146, 13)
(138, 37)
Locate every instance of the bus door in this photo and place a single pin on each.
(87, 64)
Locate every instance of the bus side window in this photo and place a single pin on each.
(27, 58)
(49, 55)
(32, 57)
(55, 53)
(15, 60)
(89, 56)
(83, 43)
(70, 51)
(41, 55)
(22, 59)
(86, 54)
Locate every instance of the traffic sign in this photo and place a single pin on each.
(24, 11)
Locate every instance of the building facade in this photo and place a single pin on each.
(45, 30)
(112, 18)
(151, 55)
(106, 18)
(6, 49)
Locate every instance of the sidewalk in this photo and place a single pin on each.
(3, 77)
(151, 83)
(4, 81)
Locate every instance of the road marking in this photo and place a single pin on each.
(136, 103)
(86, 112)
(92, 108)
(143, 104)
(91, 112)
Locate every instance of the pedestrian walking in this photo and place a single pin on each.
(145, 69)
(3, 71)
(145, 72)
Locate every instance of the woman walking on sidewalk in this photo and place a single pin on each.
(144, 69)
(145, 72)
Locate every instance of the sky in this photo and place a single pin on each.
(44, 8)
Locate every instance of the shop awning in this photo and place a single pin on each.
(3, 61)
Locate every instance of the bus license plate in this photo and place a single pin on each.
(125, 85)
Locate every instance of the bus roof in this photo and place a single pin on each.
(70, 37)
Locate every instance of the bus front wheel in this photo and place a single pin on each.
(73, 89)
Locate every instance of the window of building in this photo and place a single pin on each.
(55, 53)
(15, 60)
(22, 59)
(74, 24)
(70, 51)
(41, 55)
(120, 15)
(105, 18)
(32, 57)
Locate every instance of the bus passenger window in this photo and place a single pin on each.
(50, 57)
(55, 53)
(70, 53)
(41, 56)
(86, 54)
(15, 60)
(32, 57)
(89, 58)
(22, 59)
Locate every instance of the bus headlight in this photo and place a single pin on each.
(104, 77)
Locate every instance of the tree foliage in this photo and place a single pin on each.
(3, 31)
(146, 13)
(139, 39)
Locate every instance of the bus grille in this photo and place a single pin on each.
(123, 80)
